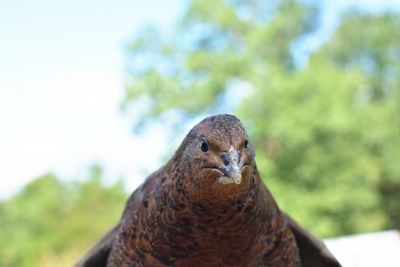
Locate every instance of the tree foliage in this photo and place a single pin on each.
(326, 134)
(52, 223)
(218, 42)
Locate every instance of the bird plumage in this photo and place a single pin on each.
(207, 207)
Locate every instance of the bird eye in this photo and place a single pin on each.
(203, 145)
(246, 143)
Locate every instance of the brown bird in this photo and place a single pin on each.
(207, 207)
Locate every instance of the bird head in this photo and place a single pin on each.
(218, 157)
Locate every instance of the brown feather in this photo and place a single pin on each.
(183, 215)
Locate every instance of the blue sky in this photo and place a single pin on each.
(61, 84)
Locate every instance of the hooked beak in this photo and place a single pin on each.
(233, 170)
(235, 173)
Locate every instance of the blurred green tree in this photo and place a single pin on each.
(217, 44)
(49, 219)
(326, 134)
(371, 45)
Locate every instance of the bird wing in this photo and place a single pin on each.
(313, 251)
(98, 255)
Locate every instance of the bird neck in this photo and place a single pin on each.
(219, 209)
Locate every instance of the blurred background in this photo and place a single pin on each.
(95, 95)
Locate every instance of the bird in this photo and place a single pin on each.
(208, 206)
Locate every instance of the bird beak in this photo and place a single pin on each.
(235, 173)
(233, 170)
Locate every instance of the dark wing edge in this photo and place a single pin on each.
(98, 255)
(313, 252)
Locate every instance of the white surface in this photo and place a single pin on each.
(381, 249)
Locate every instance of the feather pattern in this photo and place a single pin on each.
(186, 215)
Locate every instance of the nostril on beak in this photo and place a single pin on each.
(225, 158)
